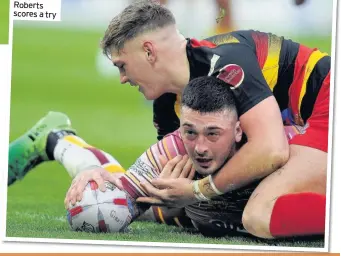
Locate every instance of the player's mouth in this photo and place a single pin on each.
(136, 85)
(133, 84)
(204, 162)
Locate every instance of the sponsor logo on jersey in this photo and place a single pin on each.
(232, 74)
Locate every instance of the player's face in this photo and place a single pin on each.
(210, 138)
(137, 68)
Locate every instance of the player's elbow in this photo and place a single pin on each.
(273, 155)
(277, 155)
(279, 158)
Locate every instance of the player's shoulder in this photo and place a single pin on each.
(236, 41)
(227, 51)
(173, 141)
(234, 55)
(176, 134)
(233, 37)
(215, 41)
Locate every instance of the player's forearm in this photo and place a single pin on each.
(148, 165)
(253, 161)
(266, 150)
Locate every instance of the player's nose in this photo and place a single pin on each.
(201, 148)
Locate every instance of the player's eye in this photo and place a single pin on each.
(190, 135)
(213, 136)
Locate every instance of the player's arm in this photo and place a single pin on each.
(148, 166)
(267, 148)
(265, 151)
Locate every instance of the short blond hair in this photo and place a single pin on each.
(134, 20)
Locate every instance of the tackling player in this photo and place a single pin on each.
(272, 79)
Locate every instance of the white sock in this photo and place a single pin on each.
(76, 156)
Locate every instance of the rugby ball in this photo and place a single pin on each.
(109, 212)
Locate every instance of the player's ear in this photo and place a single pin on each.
(149, 51)
(238, 133)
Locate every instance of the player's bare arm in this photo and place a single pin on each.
(266, 150)
(260, 116)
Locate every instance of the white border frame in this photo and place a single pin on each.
(187, 245)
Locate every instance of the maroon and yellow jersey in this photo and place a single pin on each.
(256, 65)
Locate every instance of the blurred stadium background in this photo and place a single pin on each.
(58, 66)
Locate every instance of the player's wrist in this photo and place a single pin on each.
(205, 189)
(197, 192)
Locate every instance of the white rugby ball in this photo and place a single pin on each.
(109, 212)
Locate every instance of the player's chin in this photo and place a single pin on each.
(205, 170)
(148, 95)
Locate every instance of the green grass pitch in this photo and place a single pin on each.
(54, 69)
(4, 21)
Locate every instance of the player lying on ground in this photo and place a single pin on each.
(209, 110)
(211, 133)
(273, 80)
(216, 107)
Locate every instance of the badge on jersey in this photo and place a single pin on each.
(232, 74)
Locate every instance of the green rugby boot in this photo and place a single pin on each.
(36, 145)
